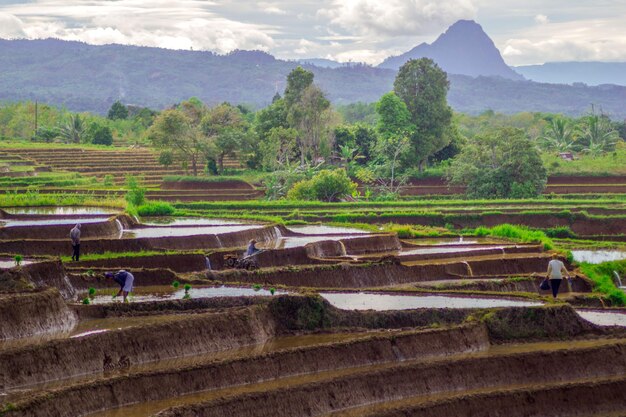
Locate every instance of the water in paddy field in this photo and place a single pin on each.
(169, 293)
(72, 210)
(383, 302)
(298, 241)
(6, 263)
(453, 241)
(169, 231)
(54, 222)
(321, 229)
(598, 256)
(427, 251)
(189, 221)
(604, 318)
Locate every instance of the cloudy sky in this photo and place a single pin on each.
(525, 31)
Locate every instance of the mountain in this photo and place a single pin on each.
(84, 77)
(463, 49)
(591, 73)
(322, 63)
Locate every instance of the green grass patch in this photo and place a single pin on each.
(602, 277)
(520, 233)
(115, 255)
(611, 163)
(36, 199)
(156, 208)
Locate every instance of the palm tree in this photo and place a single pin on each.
(597, 135)
(558, 136)
(72, 131)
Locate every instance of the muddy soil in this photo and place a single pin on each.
(480, 371)
(34, 313)
(182, 262)
(102, 229)
(42, 274)
(209, 186)
(303, 360)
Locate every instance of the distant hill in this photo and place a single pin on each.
(590, 73)
(463, 49)
(90, 78)
(322, 63)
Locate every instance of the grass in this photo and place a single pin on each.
(602, 277)
(520, 233)
(156, 208)
(115, 255)
(609, 164)
(34, 198)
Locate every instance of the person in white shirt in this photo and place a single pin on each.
(556, 271)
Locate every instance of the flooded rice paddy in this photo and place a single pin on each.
(598, 256)
(70, 210)
(52, 222)
(384, 302)
(604, 318)
(188, 221)
(170, 293)
(168, 231)
(314, 229)
(6, 263)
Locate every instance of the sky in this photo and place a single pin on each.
(526, 32)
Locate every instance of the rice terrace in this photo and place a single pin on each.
(310, 255)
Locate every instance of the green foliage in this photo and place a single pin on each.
(86, 301)
(99, 134)
(118, 111)
(423, 87)
(326, 185)
(136, 194)
(108, 180)
(502, 164)
(18, 260)
(562, 232)
(187, 287)
(272, 290)
(175, 284)
(256, 287)
(73, 131)
(602, 277)
(156, 208)
(166, 158)
(520, 233)
(279, 148)
(92, 291)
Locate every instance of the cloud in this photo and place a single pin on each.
(542, 19)
(396, 17)
(10, 26)
(181, 25)
(582, 40)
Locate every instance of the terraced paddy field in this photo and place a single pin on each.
(340, 314)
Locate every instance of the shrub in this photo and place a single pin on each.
(136, 194)
(602, 277)
(18, 260)
(92, 291)
(326, 185)
(562, 232)
(175, 284)
(108, 180)
(86, 301)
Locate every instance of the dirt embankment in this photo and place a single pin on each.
(347, 275)
(489, 372)
(204, 333)
(146, 386)
(57, 246)
(81, 279)
(37, 275)
(105, 229)
(34, 313)
(208, 186)
(182, 262)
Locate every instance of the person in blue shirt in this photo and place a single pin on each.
(124, 279)
(252, 249)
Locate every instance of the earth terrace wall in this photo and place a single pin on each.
(422, 379)
(347, 275)
(57, 247)
(39, 274)
(115, 392)
(108, 228)
(34, 313)
(204, 333)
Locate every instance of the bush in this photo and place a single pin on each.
(562, 232)
(136, 194)
(156, 208)
(108, 180)
(602, 277)
(326, 185)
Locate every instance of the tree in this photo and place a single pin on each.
(503, 163)
(279, 148)
(100, 134)
(174, 131)
(327, 185)
(423, 87)
(298, 80)
(597, 135)
(73, 130)
(46, 134)
(558, 136)
(118, 111)
(226, 129)
(310, 117)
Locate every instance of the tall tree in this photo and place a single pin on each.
(226, 129)
(597, 134)
(298, 80)
(312, 120)
(174, 131)
(558, 135)
(118, 111)
(423, 87)
(73, 130)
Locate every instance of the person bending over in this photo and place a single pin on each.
(124, 279)
(252, 249)
(556, 271)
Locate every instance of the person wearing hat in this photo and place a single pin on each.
(252, 249)
(124, 279)
(75, 237)
(556, 271)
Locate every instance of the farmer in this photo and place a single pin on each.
(125, 280)
(556, 271)
(75, 237)
(252, 249)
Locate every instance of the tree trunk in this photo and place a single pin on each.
(220, 160)
(194, 166)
